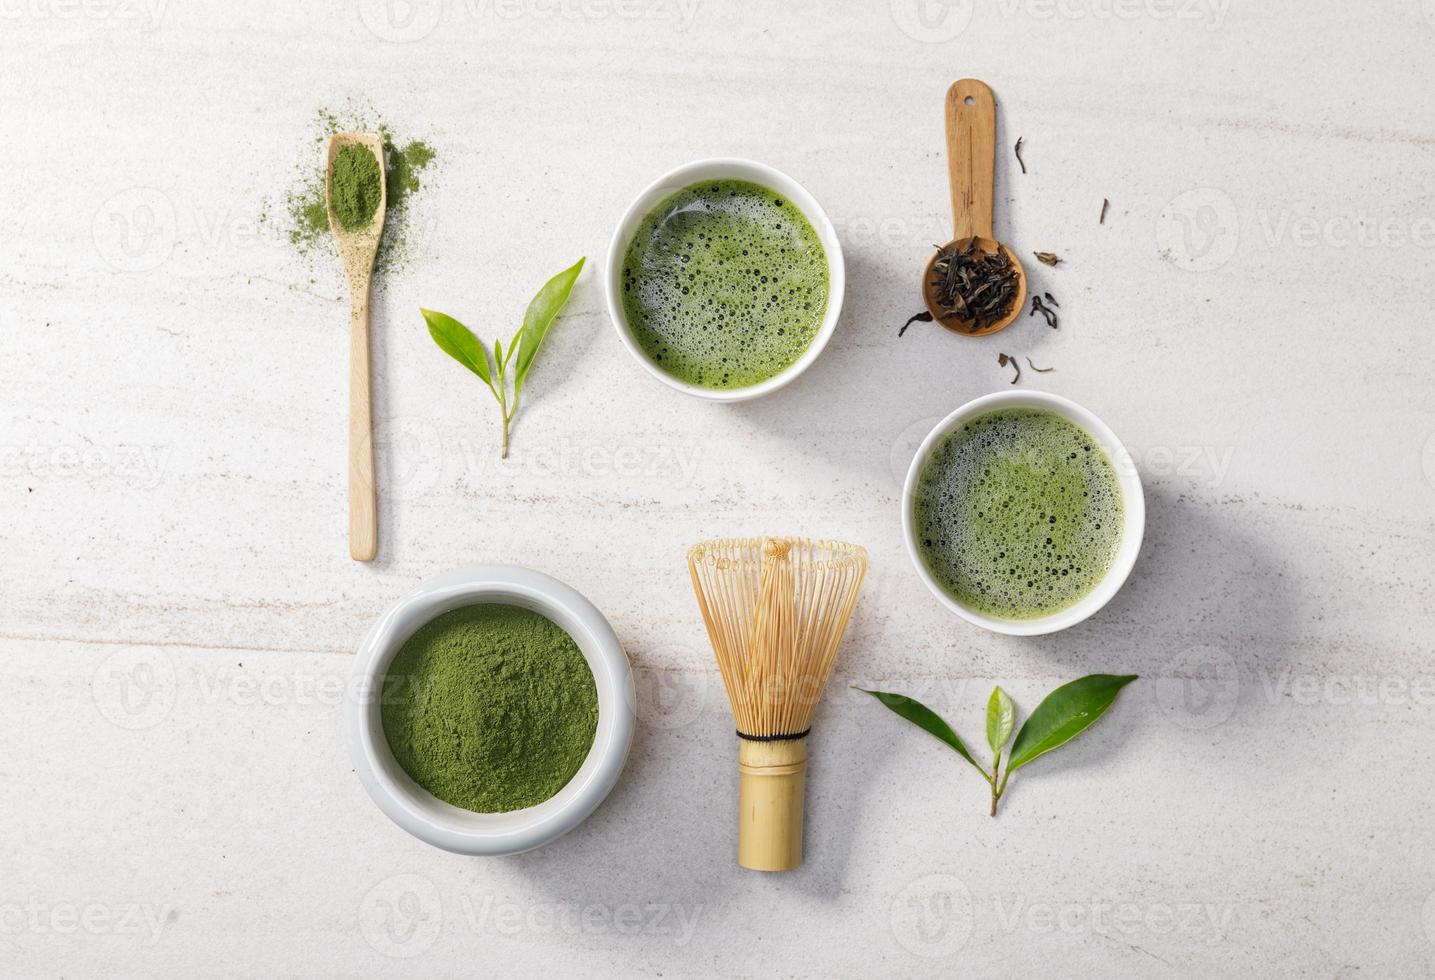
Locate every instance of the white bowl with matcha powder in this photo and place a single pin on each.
(434, 644)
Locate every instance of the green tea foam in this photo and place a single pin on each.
(1018, 513)
(725, 284)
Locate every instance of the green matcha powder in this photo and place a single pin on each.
(491, 708)
(355, 186)
(306, 211)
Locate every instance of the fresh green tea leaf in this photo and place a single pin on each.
(539, 317)
(458, 342)
(926, 719)
(1065, 713)
(1001, 719)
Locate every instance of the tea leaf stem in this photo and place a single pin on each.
(996, 793)
(507, 415)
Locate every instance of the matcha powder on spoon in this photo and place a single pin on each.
(303, 214)
(490, 707)
(356, 185)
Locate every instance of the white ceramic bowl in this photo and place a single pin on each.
(421, 813)
(1133, 506)
(731, 169)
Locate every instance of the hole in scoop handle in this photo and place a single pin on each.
(971, 113)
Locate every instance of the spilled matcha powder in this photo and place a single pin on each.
(306, 216)
(355, 186)
(490, 707)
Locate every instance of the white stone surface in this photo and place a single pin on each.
(177, 606)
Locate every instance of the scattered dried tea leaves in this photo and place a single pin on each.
(1047, 258)
(1003, 360)
(1017, 150)
(1051, 299)
(973, 286)
(1037, 369)
(1104, 205)
(1037, 306)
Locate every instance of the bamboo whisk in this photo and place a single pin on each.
(775, 611)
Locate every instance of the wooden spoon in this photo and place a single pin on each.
(971, 163)
(358, 248)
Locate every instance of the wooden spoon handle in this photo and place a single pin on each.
(363, 500)
(971, 156)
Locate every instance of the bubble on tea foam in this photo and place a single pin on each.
(725, 284)
(1018, 513)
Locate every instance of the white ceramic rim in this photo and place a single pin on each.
(1133, 506)
(453, 828)
(740, 169)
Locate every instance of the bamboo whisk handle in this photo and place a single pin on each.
(771, 779)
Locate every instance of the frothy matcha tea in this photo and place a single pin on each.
(725, 284)
(1018, 513)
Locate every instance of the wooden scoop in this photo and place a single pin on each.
(971, 163)
(358, 248)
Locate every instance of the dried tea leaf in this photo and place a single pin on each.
(1003, 360)
(923, 317)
